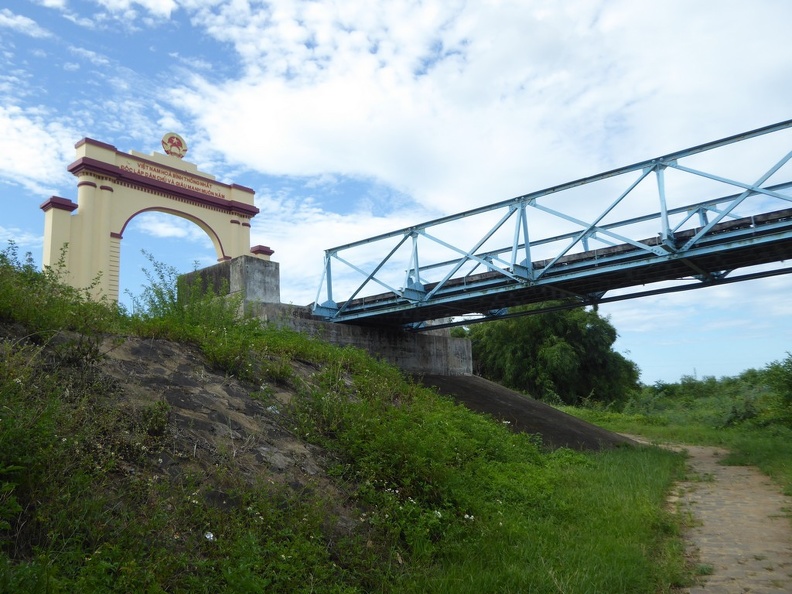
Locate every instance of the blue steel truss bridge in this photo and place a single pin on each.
(716, 213)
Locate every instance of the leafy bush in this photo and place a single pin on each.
(561, 356)
(44, 305)
(755, 397)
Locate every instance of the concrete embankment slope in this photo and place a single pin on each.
(525, 414)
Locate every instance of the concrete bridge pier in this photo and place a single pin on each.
(257, 281)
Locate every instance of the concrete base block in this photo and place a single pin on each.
(257, 280)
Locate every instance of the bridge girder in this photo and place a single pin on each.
(427, 274)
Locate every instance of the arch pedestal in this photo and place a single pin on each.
(113, 187)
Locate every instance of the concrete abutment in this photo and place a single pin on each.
(433, 352)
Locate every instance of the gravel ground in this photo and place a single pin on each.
(740, 535)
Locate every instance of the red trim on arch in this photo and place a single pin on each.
(102, 168)
(179, 214)
(116, 236)
(58, 203)
(234, 222)
(86, 183)
(108, 188)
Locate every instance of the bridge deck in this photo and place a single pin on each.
(744, 242)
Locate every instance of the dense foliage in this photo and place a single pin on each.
(563, 356)
(755, 398)
(446, 500)
(750, 414)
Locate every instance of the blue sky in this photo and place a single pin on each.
(350, 119)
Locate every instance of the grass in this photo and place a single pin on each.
(706, 414)
(445, 500)
(601, 527)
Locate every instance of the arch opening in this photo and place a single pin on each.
(155, 238)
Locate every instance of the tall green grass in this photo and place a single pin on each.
(599, 526)
(444, 500)
(749, 414)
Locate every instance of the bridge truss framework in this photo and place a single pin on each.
(560, 245)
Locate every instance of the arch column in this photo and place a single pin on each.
(235, 226)
(84, 257)
(58, 221)
(102, 243)
(244, 245)
(240, 237)
(114, 267)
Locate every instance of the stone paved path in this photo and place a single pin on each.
(741, 533)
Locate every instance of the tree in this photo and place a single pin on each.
(566, 355)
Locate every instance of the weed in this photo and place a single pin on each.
(155, 419)
(703, 569)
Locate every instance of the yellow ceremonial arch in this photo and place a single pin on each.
(114, 187)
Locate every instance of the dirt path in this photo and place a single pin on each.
(741, 534)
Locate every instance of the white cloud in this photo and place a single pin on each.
(23, 239)
(22, 24)
(461, 105)
(158, 8)
(12, 84)
(192, 62)
(161, 225)
(80, 21)
(57, 4)
(35, 149)
(299, 232)
(91, 56)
